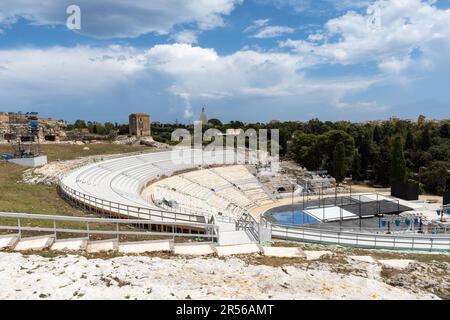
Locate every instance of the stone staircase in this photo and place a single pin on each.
(228, 235)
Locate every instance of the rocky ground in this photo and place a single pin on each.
(50, 173)
(323, 275)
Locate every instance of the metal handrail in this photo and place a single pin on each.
(130, 211)
(331, 231)
(367, 240)
(211, 231)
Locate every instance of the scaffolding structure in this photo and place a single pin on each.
(24, 134)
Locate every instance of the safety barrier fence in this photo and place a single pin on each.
(248, 224)
(94, 204)
(365, 240)
(103, 226)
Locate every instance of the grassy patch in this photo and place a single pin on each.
(69, 152)
(16, 196)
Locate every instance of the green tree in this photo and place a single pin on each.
(80, 124)
(327, 142)
(339, 162)
(377, 134)
(304, 150)
(435, 177)
(426, 139)
(409, 143)
(215, 122)
(382, 162)
(444, 130)
(398, 162)
(356, 166)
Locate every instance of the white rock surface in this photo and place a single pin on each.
(366, 259)
(316, 255)
(74, 277)
(281, 252)
(396, 264)
(102, 246)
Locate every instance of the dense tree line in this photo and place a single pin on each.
(381, 151)
(378, 151)
(394, 150)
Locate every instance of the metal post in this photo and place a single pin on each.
(351, 191)
(323, 206)
(20, 228)
(335, 194)
(378, 205)
(360, 214)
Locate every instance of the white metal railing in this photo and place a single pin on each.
(124, 210)
(366, 240)
(211, 232)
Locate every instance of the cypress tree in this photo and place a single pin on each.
(409, 143)
(339, 163)
(426, 139)
(398, 162)
(356, 166)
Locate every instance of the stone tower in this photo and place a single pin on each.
(203, 117)
(140, 125)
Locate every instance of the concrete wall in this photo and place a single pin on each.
(31, 162)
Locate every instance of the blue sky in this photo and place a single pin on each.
(248, 60)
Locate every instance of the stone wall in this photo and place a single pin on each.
(140, 125)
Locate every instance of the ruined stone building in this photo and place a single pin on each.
(140, 125)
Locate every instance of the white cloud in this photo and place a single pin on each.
(272, 32)
(362, 106)
(406, 25)
(256, 24)
(395, 65)
(186, 36)
(265, 31)
(116, 18)
(316, 6)
(71, 71)
(194, 74)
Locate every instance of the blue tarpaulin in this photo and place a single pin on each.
(7, 156)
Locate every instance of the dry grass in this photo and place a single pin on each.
(61, 152)
(16, 196)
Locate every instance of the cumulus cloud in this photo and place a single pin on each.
(194, 74)
(405, 26)
(119, 19)
(316, 6)
(72, 71)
